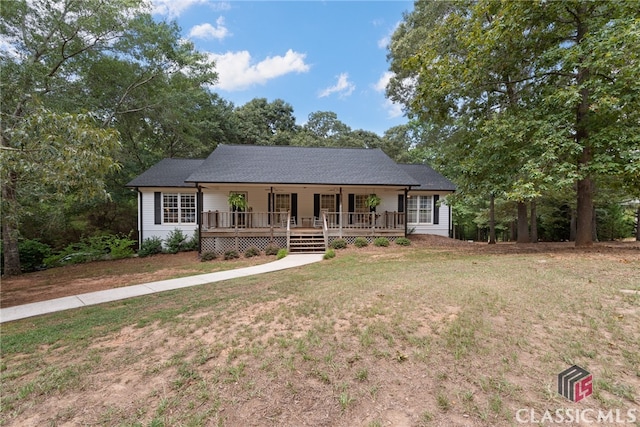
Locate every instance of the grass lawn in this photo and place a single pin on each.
(386, 336)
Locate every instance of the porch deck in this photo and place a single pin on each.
(271, 224)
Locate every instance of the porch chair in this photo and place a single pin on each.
(317, 221)
(283, 219)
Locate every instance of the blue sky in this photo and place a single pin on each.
(315, 55)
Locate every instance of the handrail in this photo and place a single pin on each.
(325, 229)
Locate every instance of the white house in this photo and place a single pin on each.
(296, 197)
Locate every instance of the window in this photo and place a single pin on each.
(420, 210)
(328, 202)
(361, 203)
(282, 202)
(178, 208)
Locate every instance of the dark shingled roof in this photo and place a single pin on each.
(167, 173)
(428, 178)
(300, 165)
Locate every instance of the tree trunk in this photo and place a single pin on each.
(492, 220)
(523, 223)
(534, 222)
(10, 229)
(572, 226)
(584, 231)
(638, 224)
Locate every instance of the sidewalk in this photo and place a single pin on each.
(59, 304)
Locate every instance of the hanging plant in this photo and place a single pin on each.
(237, 201)
(372, 200)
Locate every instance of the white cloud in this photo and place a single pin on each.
(174, 8)
(207, 31)
(343, 87)
(236, 71)
(393, 110)
(383, 81)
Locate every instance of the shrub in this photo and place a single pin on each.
(208, 256)
(231, 255)
(281, 253)
(271, 250)
(176, 241)
(360, 242)
(251, 252)
(192, 243)
(329, 254)
(403, 241)
(338, 244)
(32, 254)
(381, 241)
(109, 246)
(150, 246)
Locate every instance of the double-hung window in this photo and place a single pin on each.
(178, 208)
(328, 202)
(420, 210)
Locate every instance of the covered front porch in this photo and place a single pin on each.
(222, 231)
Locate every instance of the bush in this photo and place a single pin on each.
(251, 252)
(403, 241)
(329, 254)
(192, 243)
(32, 254)
(109, 246)
(176, 241)
(281, 253)
(208, 256)
(150, 246)
(381, 241)
(360, 242)
(271, 250)
(231, 255)
(338, 244)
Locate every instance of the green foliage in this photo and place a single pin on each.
(32, 254)
(92, 249)
(150, 246)
(360, 242)
(372, 200)
(281, 253)
(271, 250)
(338, 244)
(381, 241)
(251, 252)
(237, 200)
(208, 256)
(228, 255)
(177, 241)
(403, 241)
(329, 254)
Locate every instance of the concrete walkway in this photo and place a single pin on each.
(59, 304)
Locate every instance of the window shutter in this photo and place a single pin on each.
(436, 210)
(316, 205)
(157, 207)
(400, 202)
(294, 206)
(269, 208)
(199, 204)
(338, 207)
(351, 206)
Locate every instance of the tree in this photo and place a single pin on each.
(261, 122)
(543, 89)
(58, 117)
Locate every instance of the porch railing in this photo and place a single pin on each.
(333, 220)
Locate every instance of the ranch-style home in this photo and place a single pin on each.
(300, 198)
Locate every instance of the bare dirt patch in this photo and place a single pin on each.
(100, 275)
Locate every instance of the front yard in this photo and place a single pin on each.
(430, 334)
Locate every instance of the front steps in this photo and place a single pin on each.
(306, 241)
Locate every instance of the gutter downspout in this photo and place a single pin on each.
(140, 222)
(200, 203)
(406, 217)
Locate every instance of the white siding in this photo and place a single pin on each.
(149, 227)
(441, 229)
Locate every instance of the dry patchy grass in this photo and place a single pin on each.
(387, 336)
